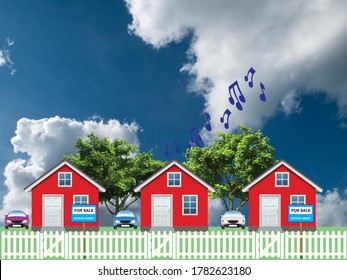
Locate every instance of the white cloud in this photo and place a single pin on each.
(331, 209)
(2, 58)
(43, 142)
(291, 104)
(294, 46)
(10, 42)
(5, 56)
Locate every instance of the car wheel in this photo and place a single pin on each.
(26, 227)
(135, 227)
(6, 227)
(243, 227)
(115, 227)
(222, 227)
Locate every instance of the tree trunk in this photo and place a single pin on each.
(243, 202)
(231, 202)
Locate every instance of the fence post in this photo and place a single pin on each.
(41, 241)
(282, 246)
(150, 244)
(2, 245)
(174, 245)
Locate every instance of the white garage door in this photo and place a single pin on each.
(53, 212)
(269, 207)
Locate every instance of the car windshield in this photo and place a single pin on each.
(125, 214)
(233, 213)
(16, 214)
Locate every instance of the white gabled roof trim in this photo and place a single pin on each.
(161, 171)
(270, 170)
(57, 167)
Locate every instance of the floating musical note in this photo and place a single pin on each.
(195, 137)
(208, 125)
(187, 150)
(239, 98)
(226, 124)
(178, 151)
(262, 95)
(250, 71)
(167, 150)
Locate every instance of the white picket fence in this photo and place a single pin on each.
(173, 245)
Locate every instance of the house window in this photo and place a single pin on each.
(80, 199)
(64, 179)
(298, 199)
(190, 205)
(282, 179)
(174, 179)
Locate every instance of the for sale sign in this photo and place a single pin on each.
(85, 213)
(301, 213)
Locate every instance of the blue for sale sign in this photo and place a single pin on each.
(301, 213)
(83, 213)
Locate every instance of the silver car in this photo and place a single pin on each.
(233, 219)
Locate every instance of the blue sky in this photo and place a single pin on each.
(147, 71)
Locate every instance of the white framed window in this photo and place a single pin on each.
(65, 179)
(174, 179)
(81, 199)
(189, 205)
(282, 179)
(297, 199)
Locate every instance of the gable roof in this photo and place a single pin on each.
(57, 167)
(271, 169)
(161, 171)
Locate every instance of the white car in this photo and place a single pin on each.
(233, 219)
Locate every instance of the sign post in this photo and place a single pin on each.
(302, 213)
(83, 213)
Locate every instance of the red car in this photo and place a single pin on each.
(16, 218)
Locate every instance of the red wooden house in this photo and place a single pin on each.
(270, 194)
(174, 198)
(53, 194)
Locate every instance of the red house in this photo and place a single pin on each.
(174, 198)
(270, 194)
(53, 194)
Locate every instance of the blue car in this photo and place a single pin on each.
(125, 219)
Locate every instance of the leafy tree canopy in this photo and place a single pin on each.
(117, 166)
(231, 162)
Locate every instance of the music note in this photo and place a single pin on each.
(167, 150)
(228, 113)
(178, 151)
(239, 98)
(252, 71)
(195, 137)
(208, 125)
(262, 95)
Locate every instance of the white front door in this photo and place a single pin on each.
(161, 211)
(52, 211)
(269, 211)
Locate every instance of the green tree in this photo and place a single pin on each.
(231, 162)
(117, 166)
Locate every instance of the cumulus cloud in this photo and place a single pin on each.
(294, 46)
(43, 142)
(332, 209)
